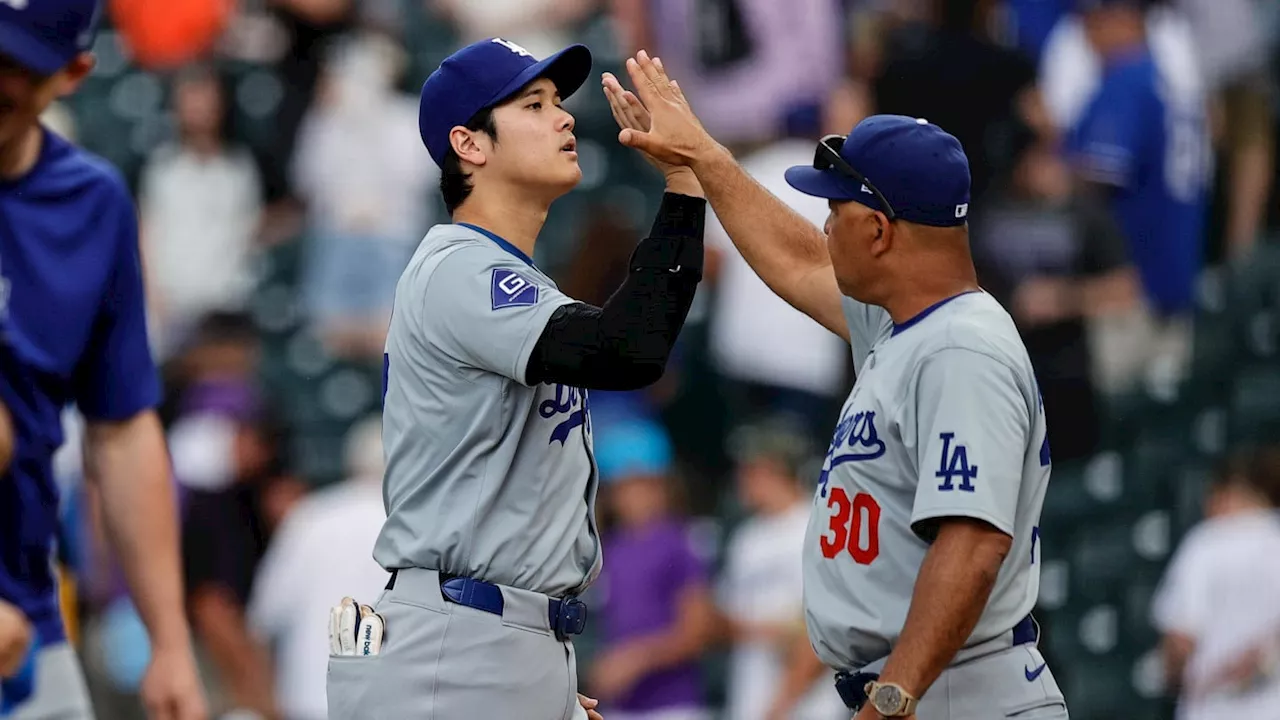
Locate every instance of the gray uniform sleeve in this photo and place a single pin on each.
(487, 310)
(867, 324)
(972, 428)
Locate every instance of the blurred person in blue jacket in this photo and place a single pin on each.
(1142, 145)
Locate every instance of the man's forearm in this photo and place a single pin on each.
(788, 252)
(951, 591)
(129, 463)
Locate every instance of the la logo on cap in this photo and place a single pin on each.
(504, 43)
(15, 4)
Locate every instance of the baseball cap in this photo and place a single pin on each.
(44, 35)
(484, 74)
(632, 448)
(906, 167)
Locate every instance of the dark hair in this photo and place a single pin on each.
(455, 185)
(1264, 471)
(1252, 468)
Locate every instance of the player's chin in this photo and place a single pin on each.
(565, 179)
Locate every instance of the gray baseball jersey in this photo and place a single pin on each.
(486, 476)
(945, 419)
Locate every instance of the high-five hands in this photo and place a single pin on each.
(656, 119)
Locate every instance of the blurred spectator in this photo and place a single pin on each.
(543, 27)
(1213, 48)
(310, 27)
(1233, 51)
(1070, 69)
(200, 201)
(223, 350)
(773, 671)
(1055, 260)
(1142, 144)
(1217, 603)
(947, 71)
(360, 169)
(775, 358)
(226, 529)
(322, 552)
(657, 609)
(747, 65)
(1033, 21)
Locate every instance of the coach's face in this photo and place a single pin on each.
(857, 240)
(537, 147)
(24, 95)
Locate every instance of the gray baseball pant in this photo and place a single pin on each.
(444, 661)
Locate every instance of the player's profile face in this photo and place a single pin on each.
(537, 147)
(851, 229)
(24, 94)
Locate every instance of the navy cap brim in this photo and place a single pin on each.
(568, 69)
(18, 45)
(821, 183)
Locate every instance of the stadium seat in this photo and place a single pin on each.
(1255, 412)
(1105, 556)
(1103, 689)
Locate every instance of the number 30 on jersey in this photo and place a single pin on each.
(854, 528)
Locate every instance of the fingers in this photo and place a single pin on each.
(646, 77)
(589, 704)
(635, 110)
(624, 103)
(614, 108)
(652, 70)
(622, 114)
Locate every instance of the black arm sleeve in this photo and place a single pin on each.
(625, 344)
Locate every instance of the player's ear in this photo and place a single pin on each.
(881, 235)
(467, 146)
(70, 77)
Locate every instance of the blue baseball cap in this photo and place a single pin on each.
(906, 167)
(631, 448)
(484, 74)
(44, 35)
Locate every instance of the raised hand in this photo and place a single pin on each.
(659, 122)
(630, 114)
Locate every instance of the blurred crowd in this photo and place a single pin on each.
(273, 149)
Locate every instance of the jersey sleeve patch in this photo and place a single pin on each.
(509, 288)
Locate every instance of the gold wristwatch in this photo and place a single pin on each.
(890, 700)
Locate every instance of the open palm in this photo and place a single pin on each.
(656, 119)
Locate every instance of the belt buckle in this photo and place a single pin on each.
(852, 688)
(569, 617)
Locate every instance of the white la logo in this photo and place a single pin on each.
(15, 4)
(504, 43)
